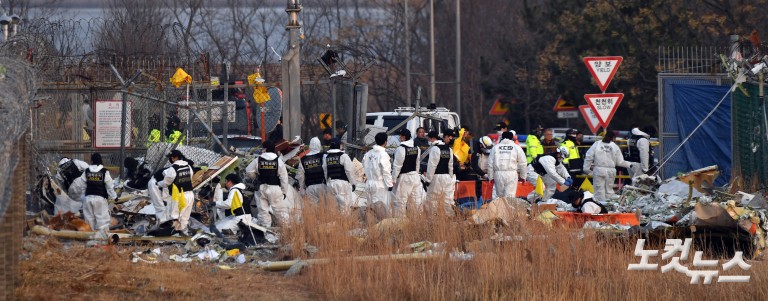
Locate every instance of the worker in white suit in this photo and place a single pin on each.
(440, 177)
(552, 171)
(340, 175)
(378, 172)
(273, 179)
(506, 164)
(601, 161)
(98, 187)
(235, 208)
(310, 172)
(179, 174)
(405, 170)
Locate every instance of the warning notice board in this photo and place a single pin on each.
(108, 120)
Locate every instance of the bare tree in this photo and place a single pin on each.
(133, 27)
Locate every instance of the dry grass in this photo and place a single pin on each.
(548, 264)
(106, 273)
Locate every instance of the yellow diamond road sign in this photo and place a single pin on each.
(325, 121)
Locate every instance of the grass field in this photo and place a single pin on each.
(534, 262)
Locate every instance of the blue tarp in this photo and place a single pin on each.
(711, 144)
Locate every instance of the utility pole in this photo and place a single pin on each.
(407, 55)
(432, 51)
(458, 58)
(291, 74)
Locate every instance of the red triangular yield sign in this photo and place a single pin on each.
(498, 108)
(590, 117)
(603, 68)
(604, 106)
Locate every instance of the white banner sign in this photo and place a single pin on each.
(108, 119)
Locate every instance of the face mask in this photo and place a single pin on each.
(499, 133)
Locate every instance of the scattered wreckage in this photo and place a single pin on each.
(680, 207)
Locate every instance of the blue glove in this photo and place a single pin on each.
(568, 182)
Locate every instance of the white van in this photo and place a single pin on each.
(438, 119)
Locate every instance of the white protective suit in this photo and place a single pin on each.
(95, 207)
(172, 210)
(441, 186)
(378, 174)
(222, 206)
(505, 161)
(601, 161)
(643, 148)
(556, 174)
(159, 198)
(81, 165)
(409, 192)
(270, 195)
(314, 192)
(341, 190)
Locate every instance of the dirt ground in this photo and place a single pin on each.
(53, 270)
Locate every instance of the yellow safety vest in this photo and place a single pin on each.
(573, 151)
(154, 136)
(173, 137)
(533, 148)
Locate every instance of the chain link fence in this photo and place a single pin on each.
(17, 88)
(750, 138)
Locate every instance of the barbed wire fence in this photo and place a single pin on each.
(17, 89)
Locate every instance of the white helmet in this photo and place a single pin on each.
(514, 134)
(486, 142)
(64, 160)
(563, 151)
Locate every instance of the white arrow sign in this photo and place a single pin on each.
(603, 68)
(604, 106)
(590, 117)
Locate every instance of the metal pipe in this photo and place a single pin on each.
(431, 51)
(285, 265)
(225, 114)
(458, 58)
(333, 102)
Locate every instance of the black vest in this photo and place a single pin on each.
(313, 169)
(183, 178)
(69, 172)
(94, 183)
(335, 168)
(268, 171)
(603, 210)
(540, 168)
(633, 153)
(410, 160)
(445, 159)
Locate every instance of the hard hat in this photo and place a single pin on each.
(563, 151)
(514, 134)
(486, 142)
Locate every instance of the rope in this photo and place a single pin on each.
(668, 157)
